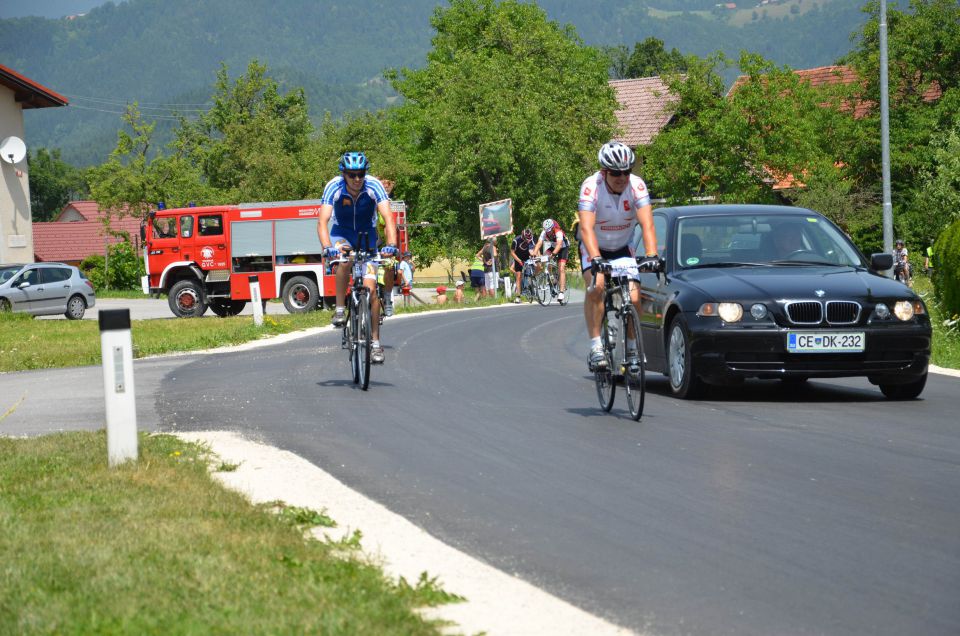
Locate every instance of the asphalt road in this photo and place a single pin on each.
(760, 510)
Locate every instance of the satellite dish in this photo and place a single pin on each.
(13, 150)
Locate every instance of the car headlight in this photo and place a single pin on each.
(758, 311)
(903, 310)
(730, 312)
(882, 311)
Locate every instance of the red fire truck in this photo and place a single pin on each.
(205, 256)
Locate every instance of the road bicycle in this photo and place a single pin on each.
(527, 284)
(620, 325)
(546, 283)
(902, 272)
(358, 329)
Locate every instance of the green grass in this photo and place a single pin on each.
(26, 343)
(946, 339)
(158, 547)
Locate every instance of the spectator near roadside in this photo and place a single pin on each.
(406, 269)
(488, 254)
(458, 294)
(476, 276)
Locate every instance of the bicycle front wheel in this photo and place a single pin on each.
(541, 286)
(364, 340)
(633, 374)
(606, 387)
(351, 339)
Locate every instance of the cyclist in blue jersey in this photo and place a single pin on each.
(353, 200)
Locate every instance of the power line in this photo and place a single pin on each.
(109, 102)
(123, 112)
(127, 101)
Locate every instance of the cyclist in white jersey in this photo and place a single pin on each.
(612, 202)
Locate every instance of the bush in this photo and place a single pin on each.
(121, 271)
(946, 254)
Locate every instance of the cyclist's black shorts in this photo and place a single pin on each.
(517, 267)
(605, 254)
(563, 254)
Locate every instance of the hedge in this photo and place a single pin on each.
(946, 255)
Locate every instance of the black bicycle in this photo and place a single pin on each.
(358, 329)
(620, 326)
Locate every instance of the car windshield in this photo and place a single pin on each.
(760, 239)
(7, 272)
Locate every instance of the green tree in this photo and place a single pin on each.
(650, 58)
(53, 183)
(251, 144)
(924, 97)
(735, 148)
(508, 105)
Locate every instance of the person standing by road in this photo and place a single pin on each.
(488, 254)
(553, 241)
(353, 200)
(612, 202)
(520, 250)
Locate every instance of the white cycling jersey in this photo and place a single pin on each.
(616, 214)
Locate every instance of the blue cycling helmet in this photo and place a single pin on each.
(354, 161)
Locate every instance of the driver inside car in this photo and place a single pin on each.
(787, 240)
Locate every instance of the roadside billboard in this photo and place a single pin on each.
(496, 218)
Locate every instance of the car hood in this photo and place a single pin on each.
(792, 282)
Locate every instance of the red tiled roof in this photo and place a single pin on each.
(75, 240)
(30, 94)
(828, 75)
(644, 108)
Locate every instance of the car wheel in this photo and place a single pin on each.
(684, 382)
(5, 306)
(225, 308)
(904, 391)
(186, 299)
(300, 295)
(75, 308)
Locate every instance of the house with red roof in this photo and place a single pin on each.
(644, 108)
(82, 229)
(17, 93)
(827, 76)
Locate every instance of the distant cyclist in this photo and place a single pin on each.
(353, 200)
(554, 242)
(520, 250)
(901, 263)
(612, 202)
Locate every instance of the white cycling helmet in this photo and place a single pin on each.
(547, 225)
(614, 155)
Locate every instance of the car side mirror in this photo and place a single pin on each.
(881, 261)
(24, 284)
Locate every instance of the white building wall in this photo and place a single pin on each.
(16, 229)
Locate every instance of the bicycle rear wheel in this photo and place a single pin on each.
(606, 387)
(364, 340)
(633, 379)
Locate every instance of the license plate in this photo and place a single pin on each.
(825, 342)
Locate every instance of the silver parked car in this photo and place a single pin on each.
(44, 289)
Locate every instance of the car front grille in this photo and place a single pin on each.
(843, 312)
(804, 312)
(811, 312)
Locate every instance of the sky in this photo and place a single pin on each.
(47, 8)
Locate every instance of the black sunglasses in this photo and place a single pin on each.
(354, 175)
(617, 173)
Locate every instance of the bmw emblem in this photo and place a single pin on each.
(819, 293)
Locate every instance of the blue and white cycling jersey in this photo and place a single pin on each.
(352, 215)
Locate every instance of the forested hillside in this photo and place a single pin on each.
(164, 54)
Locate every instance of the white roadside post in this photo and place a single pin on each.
(116, 351)
(257, 302)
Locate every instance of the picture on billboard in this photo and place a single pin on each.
(496, 218)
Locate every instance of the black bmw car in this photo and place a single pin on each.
(776, 292)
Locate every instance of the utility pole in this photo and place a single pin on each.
(885, 135)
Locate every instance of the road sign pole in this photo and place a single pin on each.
(116, 352)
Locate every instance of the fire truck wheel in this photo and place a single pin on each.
(300, 295)
(186, 299)
(224, 308)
